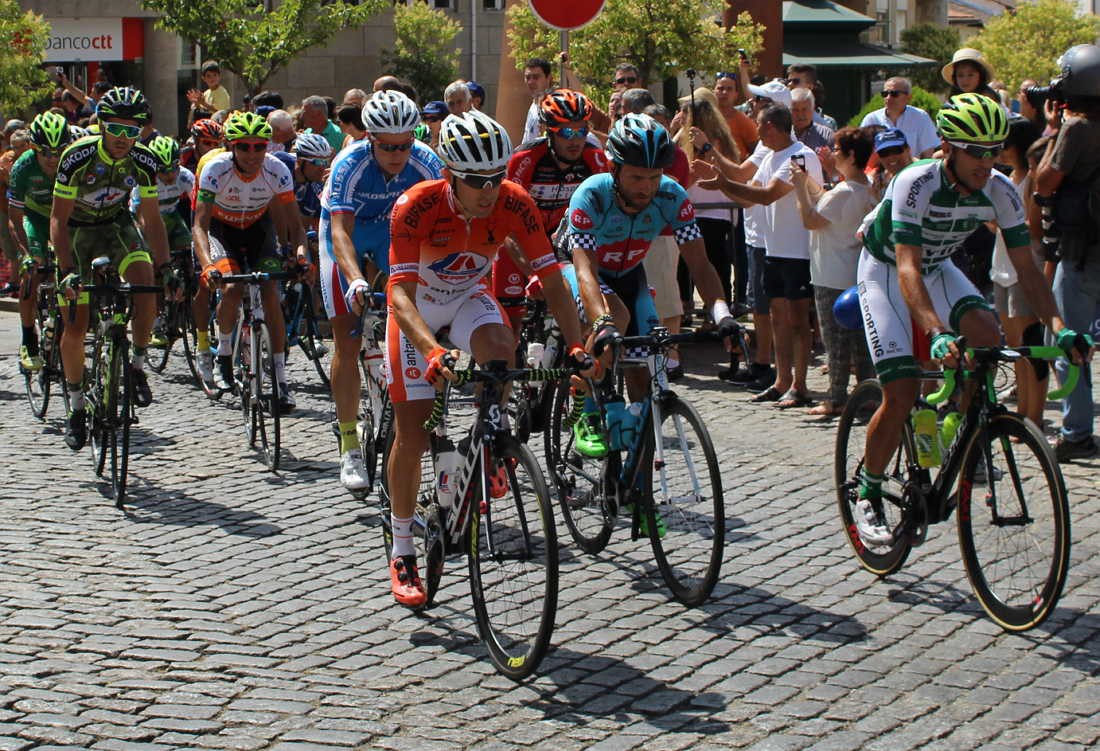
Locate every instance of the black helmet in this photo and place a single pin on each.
(1080, 76)
(640, 141)
(123, 103)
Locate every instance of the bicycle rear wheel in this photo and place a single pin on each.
(120, 445)
(851, 440)
(686, 517)
(265, 396)
(1013, 522)
(157, 357)
(37, 384)
(514, 563)
(310, 340)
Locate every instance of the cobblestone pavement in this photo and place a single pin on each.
(232, 608)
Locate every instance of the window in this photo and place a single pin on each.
(493, 4)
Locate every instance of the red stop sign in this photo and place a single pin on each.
(566, 15)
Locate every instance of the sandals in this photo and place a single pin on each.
(827, 408)
(793, 399)
(770, 394)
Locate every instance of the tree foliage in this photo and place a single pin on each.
(1028, 43)
(922, 99)
(934, 42)
(254, 41)
(663, 38)
(22, 79)
(424, 53)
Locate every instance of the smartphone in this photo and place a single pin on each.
(743, 54)
(799, 160)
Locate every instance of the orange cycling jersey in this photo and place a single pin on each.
(238, 200)
(435, 246)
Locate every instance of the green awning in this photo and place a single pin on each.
(822, 15)
(846, 54)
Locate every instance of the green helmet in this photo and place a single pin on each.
(972, 118)
(50, 131)
(246, 125)
(166, 150)
(123, 103)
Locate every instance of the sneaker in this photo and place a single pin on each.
(204, 363)
(1066, 450)
(223, 379)
(587, 438)
(286, 400)
(76, 432)
(31, 363)
(405, 582)
(353, 474)
(143, 397)
(871, 525)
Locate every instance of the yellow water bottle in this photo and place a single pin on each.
(950, 429)
(926, 436)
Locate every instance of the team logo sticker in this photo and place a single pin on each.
(457, 268)
(687, 211)
(412, 373)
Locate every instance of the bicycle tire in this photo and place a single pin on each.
(157, 357)
(266, 397)
(310, 342)
(192, 344)
(375, 412)
(1016, 543)
(189, 337)
(120, 446)
(243, 376)
(583, 485)
(689, 551)
(37, 384)
(513, 561)
(99, 398)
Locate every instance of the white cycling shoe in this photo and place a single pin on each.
(871, 525)
(353, 473)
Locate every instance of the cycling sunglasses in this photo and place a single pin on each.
(481, 182)
(250, 146)
(392, 147)
(122, 130)
(569, 133)
(49, 153)
(979, 151)
(318, 162)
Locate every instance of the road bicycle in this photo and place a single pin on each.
(176, 322)
(664, 471)
(302, 328)
(998, 473)
(541, 345)
(49, 324)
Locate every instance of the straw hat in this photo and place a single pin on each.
(967, 54)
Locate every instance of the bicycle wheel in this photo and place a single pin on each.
(686, 518)
(851, 440)
(120, 445)
(584, 485)
(514, 563)
(309, 339)
(157, 357)
(242, 379)
(266, 399)
(1013, 522)
(102, 402)
(37, 384)
(375, 423)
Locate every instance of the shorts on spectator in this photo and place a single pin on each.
(758, 300)
(788, 278)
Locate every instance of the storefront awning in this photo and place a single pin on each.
(847, 54)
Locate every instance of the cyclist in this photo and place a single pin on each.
(613, 218)
(89, 218)
(245, 205)
(312, 157)
(367, 178)
(909, 285)
(445, 234)
(206, 135)
(550, 169)
(30, 194)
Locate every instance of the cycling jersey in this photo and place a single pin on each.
(620, 240)
(920, 207)
(29, 188)
(100, 185)
(448, 255)
(240, 201)
(169, 194)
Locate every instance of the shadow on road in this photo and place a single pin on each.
(148, 504)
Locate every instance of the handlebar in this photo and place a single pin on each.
(259, 277)
(1006, 354)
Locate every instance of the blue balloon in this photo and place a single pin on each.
(846, 310)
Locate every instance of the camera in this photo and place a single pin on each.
(1037, 96)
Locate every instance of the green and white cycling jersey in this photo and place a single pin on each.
(921, 208)
(29, 188)
(101, 185)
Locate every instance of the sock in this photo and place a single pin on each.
(870, 485)
(30, 341)
(402, 536)
(349, 438)
(279, 360)
(202, 339)
(137, 362)
(76, 396)
(225, 344)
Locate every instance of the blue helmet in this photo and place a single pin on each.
(640, 141)
(846, 310)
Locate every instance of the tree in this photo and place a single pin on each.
(934, 42)
(22, 79)
(424, 53)
(922, 99)
(255, 39)
(1028, 43)
(663, 38)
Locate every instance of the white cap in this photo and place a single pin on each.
(775, 90)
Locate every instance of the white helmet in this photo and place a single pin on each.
(390, 112)
(312, 146)
(474, 141)
(77, 131)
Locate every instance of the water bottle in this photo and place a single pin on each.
(47, 337)
(950, 428)
(926, 436)
(551, 348)
(447, 463)
(535, 351)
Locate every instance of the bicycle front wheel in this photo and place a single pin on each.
(266, 399)
(37, 383)
(165, 328)
(514, 562)
(103, 402)
(1013, 522)
(120, 447)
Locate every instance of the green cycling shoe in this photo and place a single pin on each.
(588, 440)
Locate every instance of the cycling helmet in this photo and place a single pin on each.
(166, 150)
(846, 310)
(563, 106)
(1080, 66)
(78, 132)
(206, 130)
(246, 125)
(422, 133)
(972, 118)
(123, 103)
(50, 131)
(639, 141)
(312, 146)
(474, 141)
(390, 112)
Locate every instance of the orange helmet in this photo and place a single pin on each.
(207, 130)
(563, 106)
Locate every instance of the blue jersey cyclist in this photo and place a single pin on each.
(365, 182)
(613, 217)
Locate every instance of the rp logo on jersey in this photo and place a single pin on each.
(580, 219)
(687, 211)
(457, 268)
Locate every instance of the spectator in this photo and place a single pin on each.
(432, 116)
(833, 218)
(536, 75)
(812, 134)
(315, 119)
(19, 140)
(477, 95)
(920, 131)
(968, 72)
(215, 97)
(893, 155)
(384, 83)
(282, 131)
(457, 96)
(635, 100)
(804, 76)
(349, 118)
(727, 89)
(148, 130)
(269, 99)
(1031, 105)
(355, 97)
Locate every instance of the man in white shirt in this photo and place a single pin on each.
(536, 75)
(920, 131)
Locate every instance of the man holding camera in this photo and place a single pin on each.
(1068, 181)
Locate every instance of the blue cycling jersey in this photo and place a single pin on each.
(308, 195)
(358, 186)
(620, 240)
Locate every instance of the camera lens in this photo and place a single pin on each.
(1037, 96)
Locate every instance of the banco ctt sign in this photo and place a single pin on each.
(94, 39)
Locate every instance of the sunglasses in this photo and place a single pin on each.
(978, 151)
(892, 151)
(895, 92)
(318, 162)
(626, 79)
(392, 147)
(48, 153)
(121, 130)
(257, 146)
(569, 133)
(481, 182)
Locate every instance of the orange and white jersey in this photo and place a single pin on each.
(432, 244)
(240, 201)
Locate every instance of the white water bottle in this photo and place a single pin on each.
(535, 352)
(447, 461)
(550, 350)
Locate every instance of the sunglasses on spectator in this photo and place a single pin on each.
(251, 146)
(480, 182)
(122, 130)
(392, 147)
(626, 79)
(318, 162)
(894, 92)
(892, 151)
(569, 133)
(978, 151)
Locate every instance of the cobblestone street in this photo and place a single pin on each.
(229, 607)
